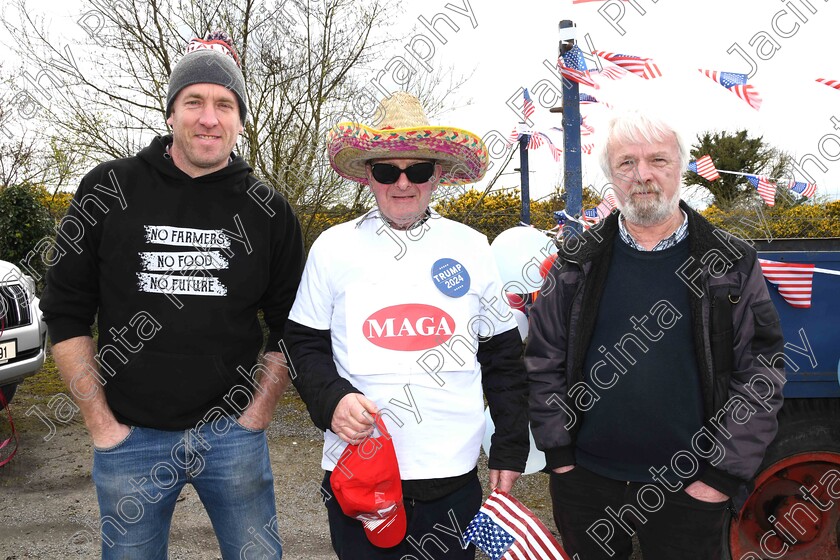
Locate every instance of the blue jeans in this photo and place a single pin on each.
(139, 479)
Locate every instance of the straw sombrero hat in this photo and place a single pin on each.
(405, 133)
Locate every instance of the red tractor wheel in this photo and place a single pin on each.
(794, 510)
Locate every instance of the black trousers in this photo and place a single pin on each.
(434, 529)
(597, 517)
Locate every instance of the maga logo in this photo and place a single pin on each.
(409, 327)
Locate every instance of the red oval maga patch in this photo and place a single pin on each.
(409, 327)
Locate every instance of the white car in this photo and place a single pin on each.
(23, 333)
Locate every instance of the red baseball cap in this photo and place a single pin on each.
(366, 482)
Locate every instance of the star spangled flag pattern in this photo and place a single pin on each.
(705, 167)
(527, 104)
(794, 280)
(573, 67)
(830, 83)
(726, 79)
(766, 191)
(643, 67)
(506, 530)
(737, 84)
(804, 189)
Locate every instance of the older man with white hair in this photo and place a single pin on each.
(644, 353)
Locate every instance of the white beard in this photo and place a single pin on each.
(648, 213)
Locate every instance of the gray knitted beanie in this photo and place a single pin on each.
(211, 60)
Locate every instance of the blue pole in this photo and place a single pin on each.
(525, 211)
(572, 173)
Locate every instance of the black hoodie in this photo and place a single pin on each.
(176, 268)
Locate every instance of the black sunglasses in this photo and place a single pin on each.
(417, 173)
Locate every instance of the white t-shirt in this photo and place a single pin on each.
(405, 310)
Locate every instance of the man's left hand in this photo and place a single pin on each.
(503, 480)
(705, 493)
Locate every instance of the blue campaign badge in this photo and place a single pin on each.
(451, 277)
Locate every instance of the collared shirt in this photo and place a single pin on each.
(375, 213)
(678, 235)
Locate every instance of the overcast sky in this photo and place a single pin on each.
(506, 43)
(511, 40)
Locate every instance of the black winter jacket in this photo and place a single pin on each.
(737, 339)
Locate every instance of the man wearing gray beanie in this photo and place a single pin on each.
(181, 248)
(208, 61)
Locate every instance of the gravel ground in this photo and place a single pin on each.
(48, 508)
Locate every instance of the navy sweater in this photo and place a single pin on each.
(641, 365)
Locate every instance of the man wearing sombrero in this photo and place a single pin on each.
(401, 316)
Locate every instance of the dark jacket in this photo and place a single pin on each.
(737, 341)
(175, 270)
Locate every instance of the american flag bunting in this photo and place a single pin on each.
(804, 189)
(556, 153)
(604, 208)
(586, 99)
(585, 129)
(506, 530)
(830, 83)
(766, 191)
(705, 167)
(535, 140)
(794, 280)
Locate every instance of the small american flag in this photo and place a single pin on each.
(587, 148)
(766, 191)
(573, 67)
(793, 280)
(514, 136)
(737, 84)
(805, 189)
(506, 530)
(830, 83)
(705, 167)
(527, 105)
(604, 208)
(643, 67)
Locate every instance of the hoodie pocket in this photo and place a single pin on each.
(158, 389)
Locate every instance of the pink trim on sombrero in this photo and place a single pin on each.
(462, 154)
